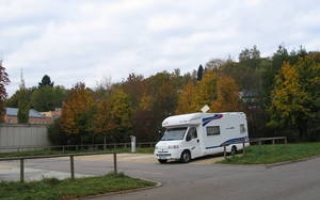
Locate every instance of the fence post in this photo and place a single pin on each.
(72, 166)
(224, 152)
(243, 148)
(21, 170)
(115, 162)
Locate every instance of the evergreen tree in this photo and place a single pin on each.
(46, 81)
(200, 73)
(23, 112)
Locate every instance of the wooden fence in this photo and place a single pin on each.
(259, 141)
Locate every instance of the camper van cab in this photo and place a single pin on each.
(190, 136)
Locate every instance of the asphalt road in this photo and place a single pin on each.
(200, 179)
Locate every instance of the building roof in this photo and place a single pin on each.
(32, 112)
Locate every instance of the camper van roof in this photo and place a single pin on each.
(193, 118)
(185, 119)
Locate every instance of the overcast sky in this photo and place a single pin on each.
(94, 40)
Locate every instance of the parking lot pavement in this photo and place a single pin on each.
(10, 171)
(143, 158)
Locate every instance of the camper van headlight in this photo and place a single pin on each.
(173, 147)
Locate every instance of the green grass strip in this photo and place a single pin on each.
(267, 154)
(54, 189)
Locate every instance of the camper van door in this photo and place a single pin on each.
(193, 142)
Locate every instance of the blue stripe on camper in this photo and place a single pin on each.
(213, 147)
(207, 120)
(231, 141)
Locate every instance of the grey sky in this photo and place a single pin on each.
(94, 40)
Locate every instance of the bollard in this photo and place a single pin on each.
(72, 166)
(133, 143)
(115, 163)
(21, 170)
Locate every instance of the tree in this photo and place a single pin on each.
(47, 98)
(200, 73)
(13, 101)
(294, 95)
(186, 98)
(46, 81)
(227, 96)
(215, 64)
(23, 112)
(78, 111)
(206, 91)
(56, 135)
(4, 80)
(135, 86)
(250, 57)
(113, 116)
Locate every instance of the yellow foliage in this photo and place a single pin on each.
(220, 93)
(185, 99)
(227, 96)
(146, 102)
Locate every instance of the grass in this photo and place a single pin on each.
(54, 189)
(266, 154)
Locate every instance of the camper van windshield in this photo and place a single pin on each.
(174, 134)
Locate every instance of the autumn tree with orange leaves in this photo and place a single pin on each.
(78, 111)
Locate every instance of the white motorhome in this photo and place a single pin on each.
(190, 136)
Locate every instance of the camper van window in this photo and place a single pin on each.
(242, 129)
(174, 134)
(192, 133)
(213, 130)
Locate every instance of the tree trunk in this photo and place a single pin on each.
(303, 129)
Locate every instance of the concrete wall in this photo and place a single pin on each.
(14, 136)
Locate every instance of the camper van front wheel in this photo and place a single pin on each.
(185, 156)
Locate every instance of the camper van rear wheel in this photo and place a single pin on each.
(233, 150)
(185, 156)
(162, 161)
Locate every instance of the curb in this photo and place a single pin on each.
(290, 162)
(92, 197)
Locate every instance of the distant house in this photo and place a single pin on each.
(249, 96)
(35, 117)
(53, 115)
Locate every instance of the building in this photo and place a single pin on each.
(53, 115)
(35, 117)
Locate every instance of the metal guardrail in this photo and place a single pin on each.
(71, 156)
(109, 146)
(77, 148)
